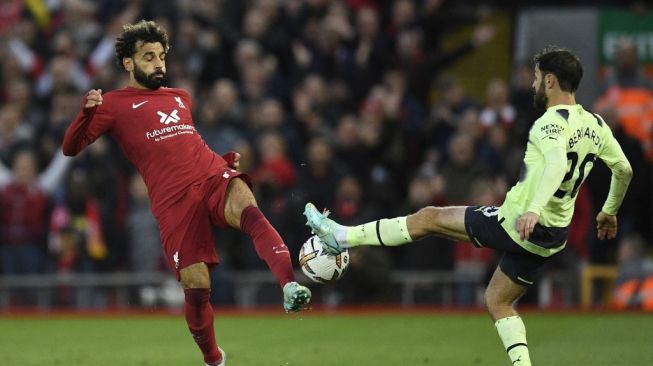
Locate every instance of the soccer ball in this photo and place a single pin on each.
(319, 265)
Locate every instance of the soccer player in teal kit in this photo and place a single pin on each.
(191, 187)
(531, 224)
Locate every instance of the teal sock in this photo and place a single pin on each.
(513, 335)
(385, 232)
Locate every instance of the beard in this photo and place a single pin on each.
(152, 81)
(540, 101)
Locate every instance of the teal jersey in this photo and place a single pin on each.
(562, 147)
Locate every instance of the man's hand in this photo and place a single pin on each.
(526, 224)
(93, 98)
(233, 159)
(606, 226)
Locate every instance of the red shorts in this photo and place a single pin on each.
(186, 226)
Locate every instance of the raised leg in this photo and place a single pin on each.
(241, 212)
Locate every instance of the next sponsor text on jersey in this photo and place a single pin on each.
(551, 129)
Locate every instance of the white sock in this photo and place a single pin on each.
(386, 232)
(513, 335)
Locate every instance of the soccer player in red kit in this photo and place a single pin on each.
(191, 187)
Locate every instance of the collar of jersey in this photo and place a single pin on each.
(565, 106)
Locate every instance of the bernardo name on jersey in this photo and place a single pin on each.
(586, 133)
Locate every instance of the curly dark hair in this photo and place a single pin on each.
(563, 64)
(146, 31)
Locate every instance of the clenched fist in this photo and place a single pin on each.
(93, 98)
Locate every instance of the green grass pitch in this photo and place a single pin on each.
(326, 340)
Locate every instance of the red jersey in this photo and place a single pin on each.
(155, 130)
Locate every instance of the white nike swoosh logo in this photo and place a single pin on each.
(134, 105)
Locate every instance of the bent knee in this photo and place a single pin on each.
(425, 221)
(427, 216)
(490, 299)
(493, 305)
(195, 276)
(239, 196)
(498, 306)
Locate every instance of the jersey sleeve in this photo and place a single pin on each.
(614, 157)
(548, 136)
(88, 126)
(611, 152)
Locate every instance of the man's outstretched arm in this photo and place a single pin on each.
(90, 123)
(622, 173)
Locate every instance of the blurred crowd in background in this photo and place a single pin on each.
(347, 104)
